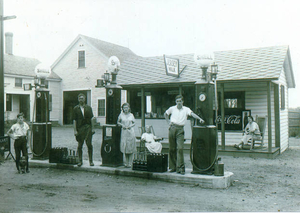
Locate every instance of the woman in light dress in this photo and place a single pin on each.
(128, 141)
(150, 143)
(251, 132)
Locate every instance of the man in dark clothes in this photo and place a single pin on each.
(83, 127)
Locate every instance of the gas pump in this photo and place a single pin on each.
(41, 134)
(111, 132)
(204, 146)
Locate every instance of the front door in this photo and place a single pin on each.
(25, 106)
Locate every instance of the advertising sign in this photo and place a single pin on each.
(172, 66)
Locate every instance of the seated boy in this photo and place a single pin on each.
(150, 143)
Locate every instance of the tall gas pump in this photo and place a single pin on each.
(111, 132)
(204, 146)
(41, 127)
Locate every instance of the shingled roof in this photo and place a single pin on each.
(246, 64)
(105, 48)
(22, 66)
(110, 49)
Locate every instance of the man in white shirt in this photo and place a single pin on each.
(19, 133)
(178, 116)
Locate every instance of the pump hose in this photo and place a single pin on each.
(31, 135)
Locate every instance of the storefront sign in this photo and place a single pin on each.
(172, 66)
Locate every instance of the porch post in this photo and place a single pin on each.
(143, 106)
(128, 96)
(277, 115)
(180, 89)
(269, 117)
(222, 117)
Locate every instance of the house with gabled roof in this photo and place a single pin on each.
(251, 81)
(80, 65)
(17, 72)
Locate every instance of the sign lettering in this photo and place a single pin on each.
(229, 119)
(172, 66)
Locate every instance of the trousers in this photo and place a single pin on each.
(20, 145)
(176, 140)
(85, 134)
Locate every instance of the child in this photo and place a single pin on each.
(19, 133)
(149, 138)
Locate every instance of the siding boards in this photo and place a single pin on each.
(284, 127)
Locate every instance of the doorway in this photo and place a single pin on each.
(25, 106)
(70, 101)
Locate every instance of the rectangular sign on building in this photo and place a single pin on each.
(172, 66)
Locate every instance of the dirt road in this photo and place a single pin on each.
(260, 185)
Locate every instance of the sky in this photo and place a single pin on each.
(43, 29)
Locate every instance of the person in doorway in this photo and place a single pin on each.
(83, 128)
(251, 132)
(150, 143)
(128, 142)
(178, 115)
(19, 132)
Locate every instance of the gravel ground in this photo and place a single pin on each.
(260, 185)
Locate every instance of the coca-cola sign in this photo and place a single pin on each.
(229, 119)
(232, 122)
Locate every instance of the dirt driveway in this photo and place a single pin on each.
(260, 185)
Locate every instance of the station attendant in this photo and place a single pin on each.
(176, 116)
(19, 132)
(83, 127)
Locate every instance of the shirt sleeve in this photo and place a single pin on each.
(12, 128)
(92, 114)
(169, 111)
(27, 126)
(188, 111)
(74, 113)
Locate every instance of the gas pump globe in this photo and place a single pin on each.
(204, 137)
(41, 126)
(110, 148)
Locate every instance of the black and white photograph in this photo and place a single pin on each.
(149, 106)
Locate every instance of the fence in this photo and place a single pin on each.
(294, 123)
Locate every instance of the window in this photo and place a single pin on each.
(45, 82)
(234, 105)
(81, 59)
(50, 102)
(18, 82)
(231, 103)
(8, 102)
(101, 107)
(282, 92)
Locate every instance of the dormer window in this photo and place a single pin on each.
(81, 59)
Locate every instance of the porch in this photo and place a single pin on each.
(256, 152)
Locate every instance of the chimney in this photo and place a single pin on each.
(9, 43)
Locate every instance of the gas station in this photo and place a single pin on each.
(207, 171)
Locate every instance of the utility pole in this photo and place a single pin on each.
(2, 18)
